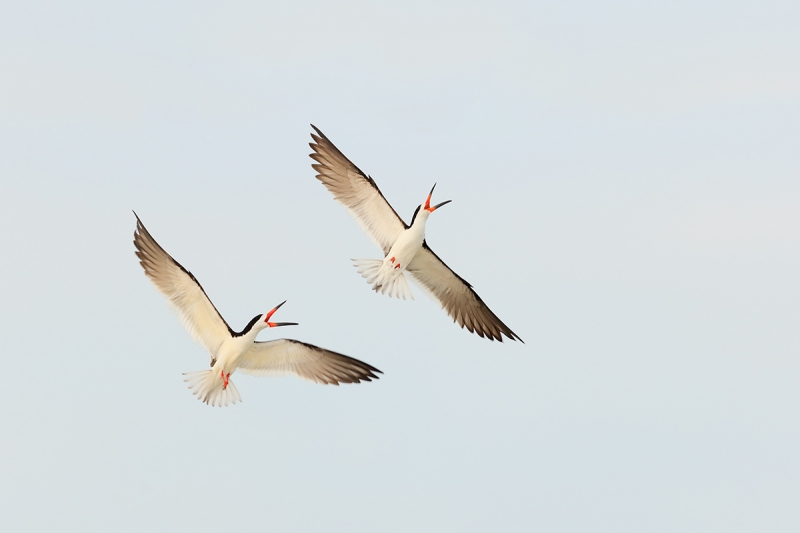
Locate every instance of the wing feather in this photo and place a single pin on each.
(456, 295)
(287, 356)
(182, 290)
(356, 191)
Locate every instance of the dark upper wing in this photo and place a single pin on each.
(183, 292)
(456, 296)
(356, 191)
(287, 356)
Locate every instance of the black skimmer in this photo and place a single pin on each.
(403, 245)
(231, 350)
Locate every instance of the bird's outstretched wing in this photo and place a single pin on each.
(356, 191)
(183, 292)
(457, 297)
(287, 356)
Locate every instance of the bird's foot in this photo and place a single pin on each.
(224, 377)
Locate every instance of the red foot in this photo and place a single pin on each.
(397, 265)
(224, 379)
(392, 259)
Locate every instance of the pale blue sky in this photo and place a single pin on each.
(625, 179)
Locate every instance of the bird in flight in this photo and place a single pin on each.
(231, 350)
(403, 245)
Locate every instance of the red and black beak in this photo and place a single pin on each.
(428, 201)
(277, 324)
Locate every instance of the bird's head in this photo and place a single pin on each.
(425, 210)
(264, 322)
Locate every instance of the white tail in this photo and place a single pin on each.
(384, 279)
(207, 386)
(368, 268)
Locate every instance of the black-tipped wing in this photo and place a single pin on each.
(287, 356)
(457, 297)
(356, 191)
(183, 292)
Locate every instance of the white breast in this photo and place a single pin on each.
(232, 351)
(407, 245)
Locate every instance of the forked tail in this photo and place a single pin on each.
(207, 385)
(385, 280)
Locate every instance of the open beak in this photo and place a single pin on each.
(428, 201)
(277, 324)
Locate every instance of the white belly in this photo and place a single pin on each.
(386, 275)
(231, 352)
(404, 249)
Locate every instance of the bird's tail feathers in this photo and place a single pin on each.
(368, 268)
(384, 280)
(207, 385)
(396, 286)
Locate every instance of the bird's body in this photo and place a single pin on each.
(387, 276)
(227, 359)
(404, 246)
(231, 351)
(408, 244)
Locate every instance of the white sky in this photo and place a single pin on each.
(626, 197)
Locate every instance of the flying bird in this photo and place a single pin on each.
(231, 350)
(403, 245)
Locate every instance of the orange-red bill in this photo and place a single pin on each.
(428, 201)
(269, 315)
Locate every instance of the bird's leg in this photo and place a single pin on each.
(224, 379)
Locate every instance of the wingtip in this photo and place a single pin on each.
(139, 227)
(510, 335)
